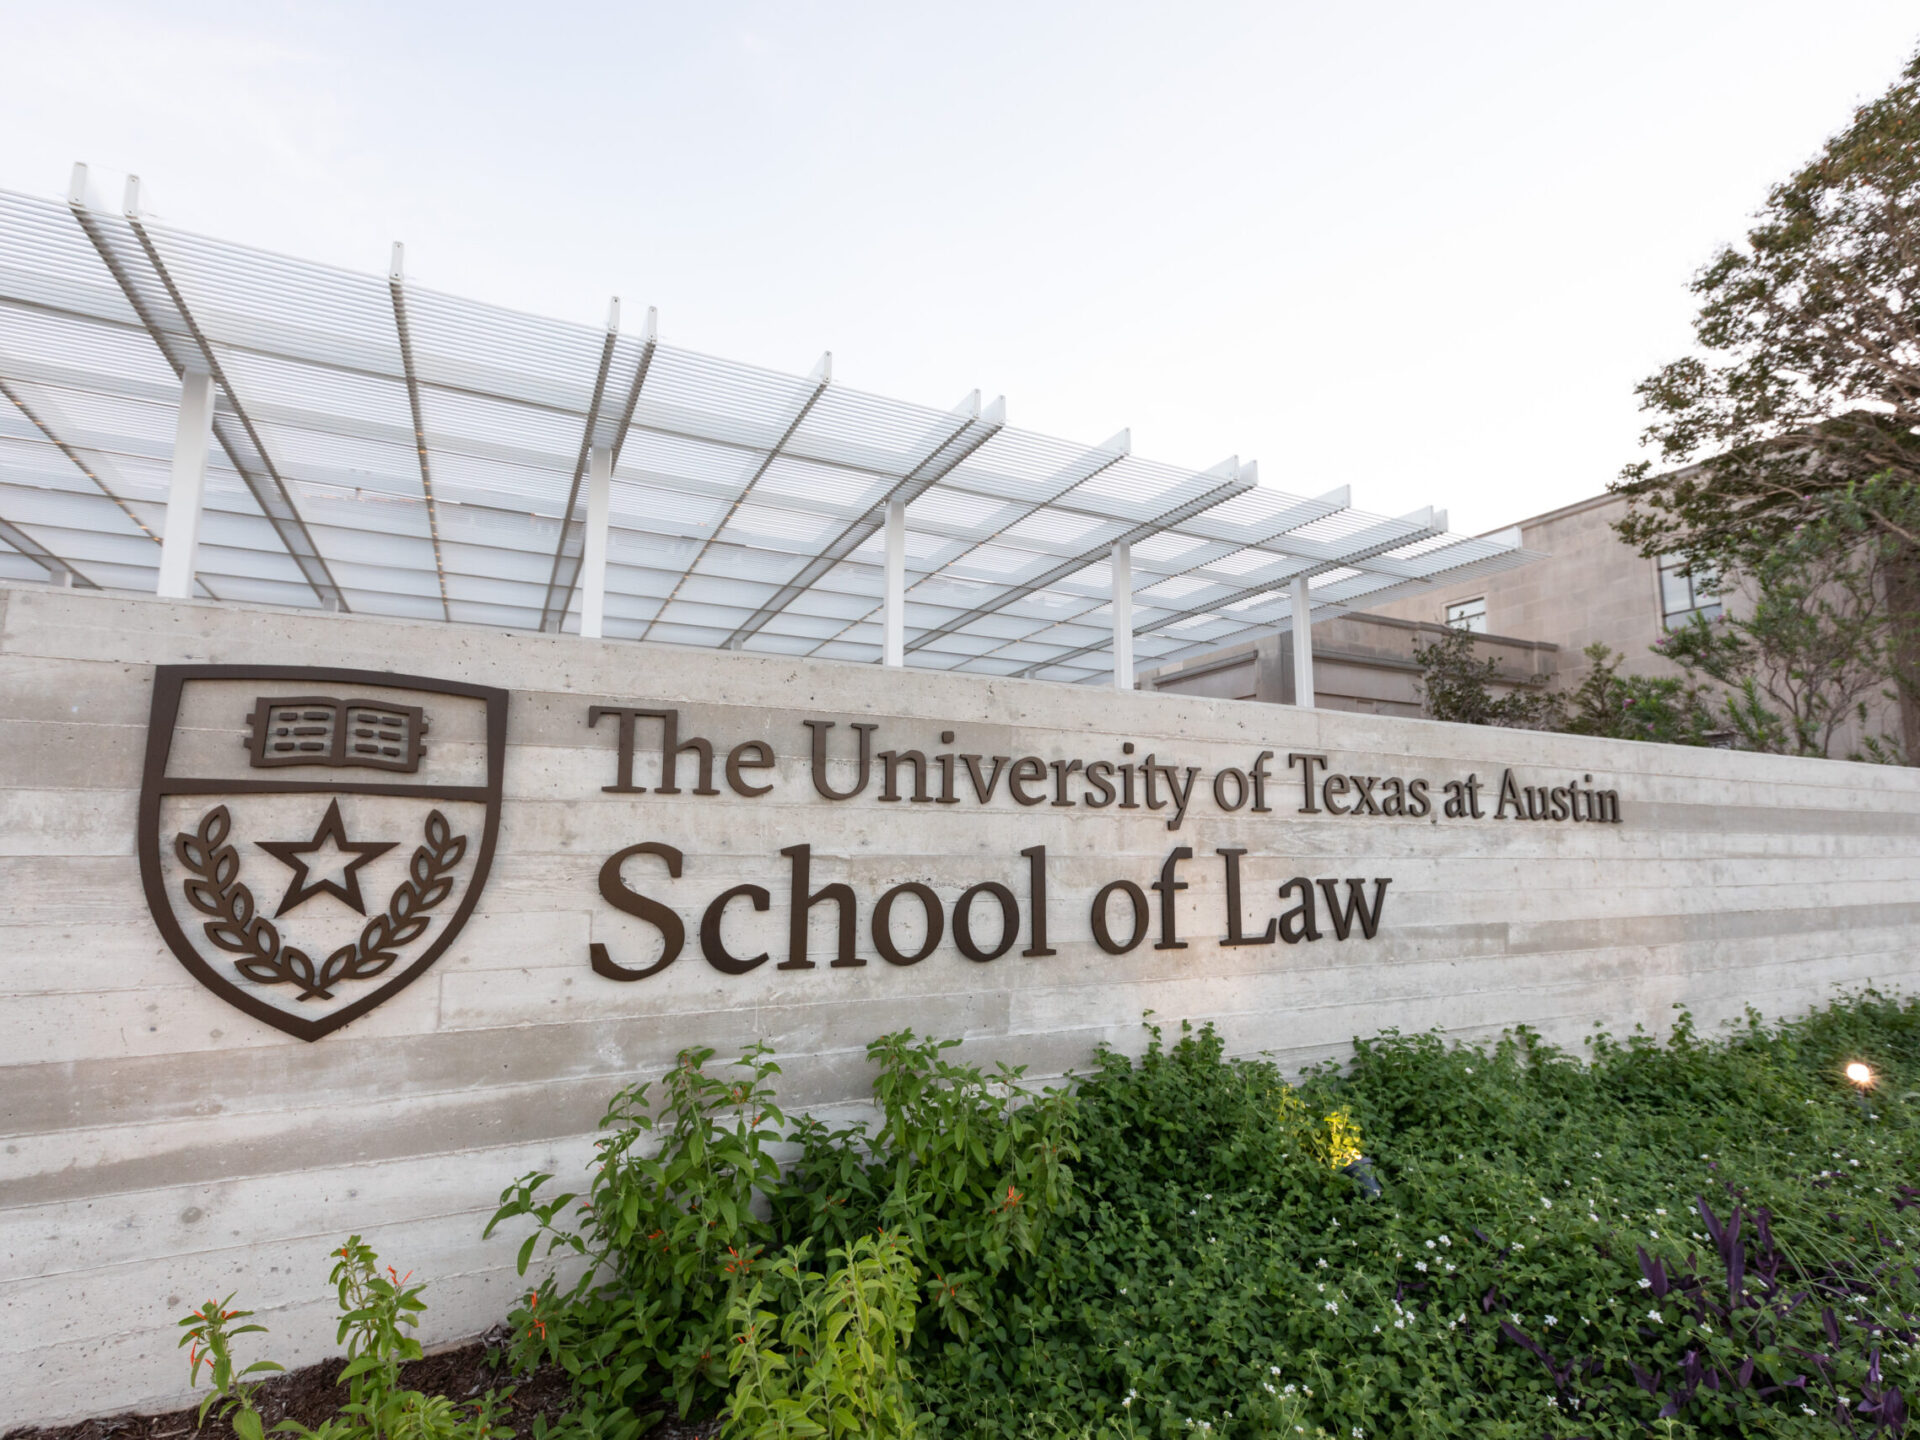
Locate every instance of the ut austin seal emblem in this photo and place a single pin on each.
(312, 840)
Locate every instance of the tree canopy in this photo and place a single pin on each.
(1807, 379)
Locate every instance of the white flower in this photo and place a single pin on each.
(1546, 1203)
(1469, 1069)
(1644, 1283)
(1514, 1318)
(1449, 1269)
(1550, 1320)
(1400, 1324)
(1323, 1263)
(1654, 1234)
(1654, 1315)
(1123, 1289)
(1445, 1241)
(1332, 1306)
(1420, 1265)
(1358, 1433)
(1658, 1211)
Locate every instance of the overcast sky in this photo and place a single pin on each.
(1425, 250)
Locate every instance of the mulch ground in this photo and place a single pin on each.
(312, 1395)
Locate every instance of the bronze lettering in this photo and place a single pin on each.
(883, 923)
(801, 905)
(963, 921)
(616, 892)
(1026, 770)
(820, 728)
(749, 755)
(1102, 936)
(1235, 936)
(713, 947)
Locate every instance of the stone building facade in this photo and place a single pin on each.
(1535, 621)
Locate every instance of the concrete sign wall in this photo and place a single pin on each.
(312, 924)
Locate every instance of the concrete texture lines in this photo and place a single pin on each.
(157, 1144)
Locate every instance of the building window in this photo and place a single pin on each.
(1469, 615)
(1684, 595)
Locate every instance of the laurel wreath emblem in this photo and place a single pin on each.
(214, 888)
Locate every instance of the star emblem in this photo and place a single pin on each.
(334, 867)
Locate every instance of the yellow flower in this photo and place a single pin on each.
(1333, 1140)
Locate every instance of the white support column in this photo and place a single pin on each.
(1302, 645)
(1121, 566)
(186, 491)
(593, 554)
(895, 640)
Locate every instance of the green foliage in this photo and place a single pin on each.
(210, 1335)
(666, 1235)
(1805, 381)
(823, 1354)
(1455, 685)
(969, 1171)
(1638, 707)
(376, 1310)
(1213, 1259)
(1818, 638)
(1806, 376)
(1702, 1237)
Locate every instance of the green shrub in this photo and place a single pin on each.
(666, 1237)
(1696, 1237)
(376, 1311)
(822, 1354)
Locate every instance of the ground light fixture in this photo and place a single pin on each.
(1862, 1077)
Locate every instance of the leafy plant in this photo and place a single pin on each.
(823, 1354)
(1816, 640)
(376, 1310)
(665, 1236)
(969, 1170)
(210, 1335)
(1456, 685)
(1805, 378)
(1639, 707)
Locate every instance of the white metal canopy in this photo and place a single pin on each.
(382, 448)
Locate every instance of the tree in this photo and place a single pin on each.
(1807, 382)
(1814, 645)
(1639, 707)
(1454, 685)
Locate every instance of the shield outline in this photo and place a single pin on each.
(168, 681)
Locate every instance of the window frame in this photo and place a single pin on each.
(1673, 566)
(1466, 621)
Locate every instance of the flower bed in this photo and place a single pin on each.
(1708, 1237)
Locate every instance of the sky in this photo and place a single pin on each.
(1425, 251)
